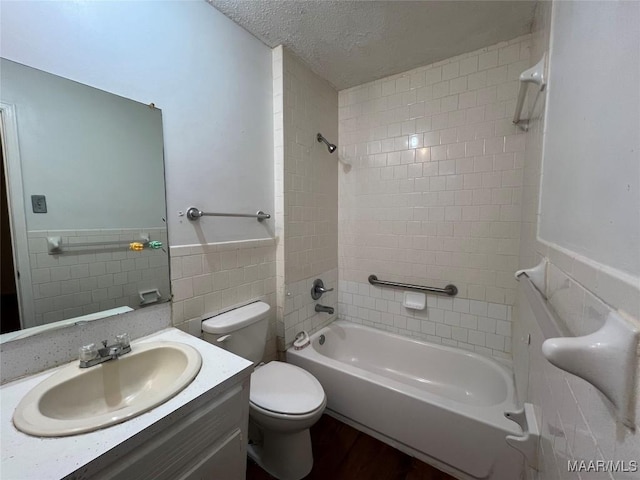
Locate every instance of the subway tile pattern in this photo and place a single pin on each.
(277, 62)
(473, 325)
(310, 178)
(299, 308)
(431, 188)
(86, 280)
(306, 194)
(211, 279)
(433, 191)
(614, 287)
(578, 422)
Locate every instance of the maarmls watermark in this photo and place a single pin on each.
(619, 466)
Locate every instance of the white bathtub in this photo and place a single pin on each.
(442, 405)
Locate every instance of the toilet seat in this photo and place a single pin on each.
(286, 389)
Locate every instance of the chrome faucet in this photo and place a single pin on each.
(90, 355)
(317, 290)
(324, 309)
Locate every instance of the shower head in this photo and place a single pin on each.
(330, 146)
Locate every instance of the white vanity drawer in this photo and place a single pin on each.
(192, 444)
(226, 461)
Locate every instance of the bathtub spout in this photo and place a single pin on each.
(323, 309)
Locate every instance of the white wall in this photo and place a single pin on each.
(211, 79)
(591, 169)
(96, 156)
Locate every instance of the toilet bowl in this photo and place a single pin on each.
(285, 400)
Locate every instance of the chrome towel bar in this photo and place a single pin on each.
(56, 247)
(450, 289)
(194, 213)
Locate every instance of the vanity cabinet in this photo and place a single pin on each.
(200, 433)
(207, 440)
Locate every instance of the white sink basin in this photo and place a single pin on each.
(78, 400)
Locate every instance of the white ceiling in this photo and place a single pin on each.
(354, 42)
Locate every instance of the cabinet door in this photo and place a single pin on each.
(227, 462)
(171, 451)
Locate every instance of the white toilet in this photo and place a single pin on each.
(285, 400)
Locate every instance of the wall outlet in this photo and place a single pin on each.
(39, 203)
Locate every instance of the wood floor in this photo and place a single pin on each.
(341, 452)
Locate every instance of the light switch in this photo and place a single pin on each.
(39, 203)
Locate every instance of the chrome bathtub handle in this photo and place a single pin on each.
(317, 290)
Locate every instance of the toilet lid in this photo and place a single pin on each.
(284, 388)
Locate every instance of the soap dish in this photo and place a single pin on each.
(415, 300)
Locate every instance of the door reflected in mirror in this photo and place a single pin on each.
(83, 201)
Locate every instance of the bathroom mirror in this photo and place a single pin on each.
(84, 231)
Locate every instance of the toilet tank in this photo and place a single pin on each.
(242, 331)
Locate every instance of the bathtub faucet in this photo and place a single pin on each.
(323, 309)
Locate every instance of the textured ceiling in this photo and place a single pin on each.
(354, 42)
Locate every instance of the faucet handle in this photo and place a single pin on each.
(87, 352)
(317, 290)
(123, 340)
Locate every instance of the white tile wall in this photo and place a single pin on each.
(473, 325)
(86, 280)
(578, 423)
(210, 279)
(310, 189)
(432, 195)
(299, 307)
(306, 186)
(277, 62)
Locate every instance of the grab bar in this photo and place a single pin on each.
(450, 289)
(194, 213)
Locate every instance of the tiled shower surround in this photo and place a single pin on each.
(430, 191)
(306, 194)
(299, 307)
(459, 322)
(86, 280)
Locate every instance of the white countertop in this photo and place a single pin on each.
(26, 457)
